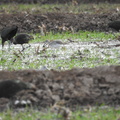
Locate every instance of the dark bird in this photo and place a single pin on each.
(22, 39)
(115, 25)
(8, 33)
(8, 88)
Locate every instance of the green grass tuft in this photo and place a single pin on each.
(108, 113)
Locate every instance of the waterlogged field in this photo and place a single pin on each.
(63, 51)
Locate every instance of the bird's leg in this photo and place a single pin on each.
(23, 48)
(28, 45)
(3, 41)
(3, 44)
(9, 44)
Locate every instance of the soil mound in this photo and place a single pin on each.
(58, 22)
(87, 86)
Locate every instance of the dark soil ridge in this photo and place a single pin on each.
(87, 86)
(59, 22)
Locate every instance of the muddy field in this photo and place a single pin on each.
(77, 87)
(59, 22)
(86, 86)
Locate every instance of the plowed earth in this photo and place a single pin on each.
(59, 22)
(76, 87)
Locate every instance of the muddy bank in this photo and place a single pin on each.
(59, 22)
(88, 86)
